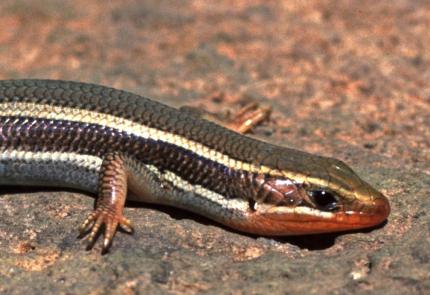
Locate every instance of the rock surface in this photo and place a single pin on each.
(349, 79)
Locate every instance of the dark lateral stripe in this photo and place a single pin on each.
(44, 135)
(129, 106)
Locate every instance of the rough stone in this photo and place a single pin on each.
(348, 79)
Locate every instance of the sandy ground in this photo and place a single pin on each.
(349, 79)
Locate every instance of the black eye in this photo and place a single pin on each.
(324, 200)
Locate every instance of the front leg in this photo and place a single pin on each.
(112, 193)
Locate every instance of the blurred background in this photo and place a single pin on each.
(349, 79)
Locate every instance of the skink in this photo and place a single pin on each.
(119, 145)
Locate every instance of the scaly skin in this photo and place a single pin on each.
(107, 141)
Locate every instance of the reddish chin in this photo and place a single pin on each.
(273, 224)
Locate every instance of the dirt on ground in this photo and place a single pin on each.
(348, 79)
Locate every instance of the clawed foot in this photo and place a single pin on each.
(249, 117)
(242, 121)
(109, 220)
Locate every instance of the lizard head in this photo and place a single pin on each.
(315, 195)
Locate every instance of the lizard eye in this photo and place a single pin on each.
(324, 200)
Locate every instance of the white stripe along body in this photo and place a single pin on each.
(84, 136)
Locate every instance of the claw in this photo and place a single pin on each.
(110, 203)
(126, 225)
(101, 218)
(86, 225)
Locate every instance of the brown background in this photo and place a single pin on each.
(349, 79)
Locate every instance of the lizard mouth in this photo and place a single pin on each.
(370, 215)
(301, 220)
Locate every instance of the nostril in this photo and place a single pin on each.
(374, 212)
(382, 207)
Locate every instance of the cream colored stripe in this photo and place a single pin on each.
(229, 204)
(72, 114)
(80, 115)
(49, 169)
(86, 161)
(199, 192)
